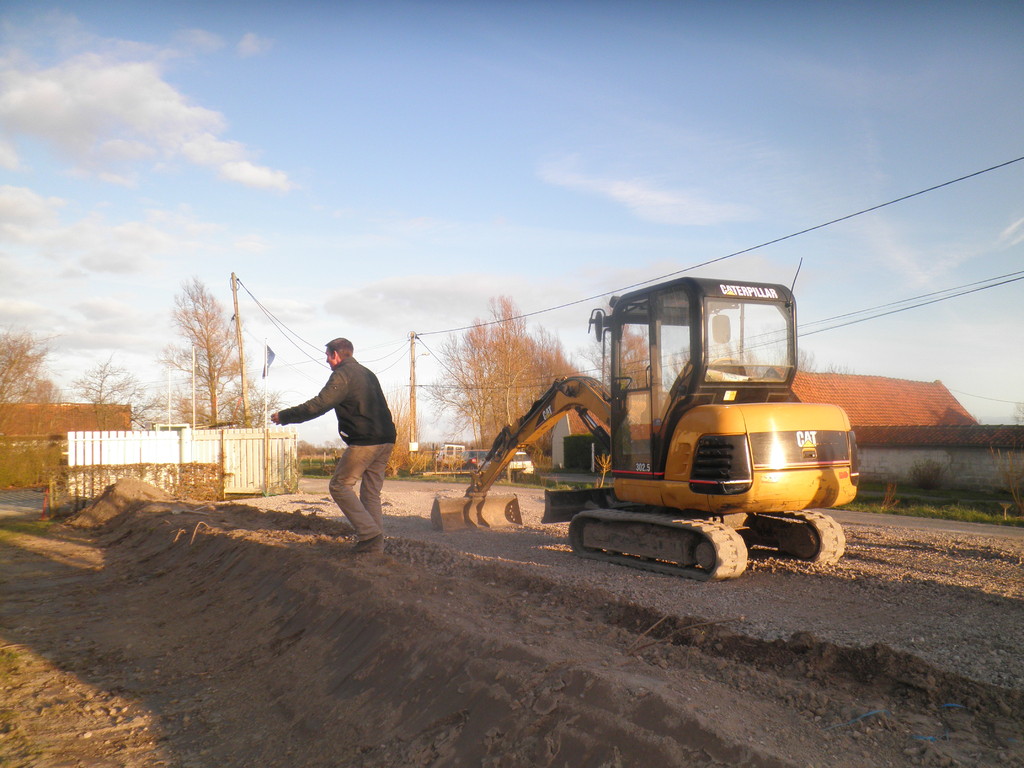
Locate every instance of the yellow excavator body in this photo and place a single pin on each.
(711, 455)
(792, 476)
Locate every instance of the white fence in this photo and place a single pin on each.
(252, 460)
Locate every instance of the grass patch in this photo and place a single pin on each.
(11, 528)
(966, 514)
(942, 504)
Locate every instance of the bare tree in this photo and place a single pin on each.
(806, 362)
(204, 325)
(109, 384)
(235, 413)
(23, 372)
(1018, 413)
(495, 370)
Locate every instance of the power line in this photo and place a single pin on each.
(967, 290)
(982, 397)
(891, 308)
(915, 298)
(281, 326)
(790, 236)
(284, 328)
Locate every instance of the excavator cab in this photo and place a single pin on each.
(687, 343)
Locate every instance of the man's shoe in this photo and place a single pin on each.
(376, 544)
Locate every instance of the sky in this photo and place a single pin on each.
(372, 169)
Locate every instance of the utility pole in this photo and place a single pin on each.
(413, 445)
(247, 422)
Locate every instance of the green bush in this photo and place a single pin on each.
(27, 462)
(577, 451)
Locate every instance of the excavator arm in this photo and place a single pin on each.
(585, 395)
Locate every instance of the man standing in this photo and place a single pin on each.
(366, 426)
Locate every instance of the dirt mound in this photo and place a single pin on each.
(396, 668)
(126, 495)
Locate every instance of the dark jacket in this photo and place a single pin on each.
(356, 397)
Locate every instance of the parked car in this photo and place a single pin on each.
(473, 459)
(449, 456)
(521, 463)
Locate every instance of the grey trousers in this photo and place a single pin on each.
(366, 464)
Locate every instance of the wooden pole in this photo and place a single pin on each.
(246, 420)
(412, 391)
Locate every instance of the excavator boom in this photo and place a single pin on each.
(585, 395)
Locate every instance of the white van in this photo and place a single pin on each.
(521, 463)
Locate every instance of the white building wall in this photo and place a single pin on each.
(966, 468)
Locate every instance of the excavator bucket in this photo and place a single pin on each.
(464, 512)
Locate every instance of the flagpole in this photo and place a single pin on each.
(266, 375)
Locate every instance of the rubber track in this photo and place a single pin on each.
(830, 534)
(730, 550)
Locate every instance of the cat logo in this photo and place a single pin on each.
(808, 439)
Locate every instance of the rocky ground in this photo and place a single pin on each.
(151, 632)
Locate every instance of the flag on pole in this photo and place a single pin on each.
(268, 358)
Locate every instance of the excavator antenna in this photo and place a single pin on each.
(796, 274)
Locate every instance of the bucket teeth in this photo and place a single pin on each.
(468, 512)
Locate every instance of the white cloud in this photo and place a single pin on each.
(18, 312)
(1013, 234)
(22, 211)
(107, 112)
(252, 44)
(646, 200)
(8, 156)
(252, 244)
(107, 310)
(32, 228)
(257, 176)
(199, 41)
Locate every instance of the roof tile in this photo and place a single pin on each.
(881, 401)
(976, 435)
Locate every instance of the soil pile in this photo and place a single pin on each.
(125, 495)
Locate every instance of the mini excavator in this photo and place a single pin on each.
(711, 454)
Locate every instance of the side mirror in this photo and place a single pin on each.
(597, 318)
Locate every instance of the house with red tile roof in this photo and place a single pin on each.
(57, 419)
(880, 401)
(904, 427)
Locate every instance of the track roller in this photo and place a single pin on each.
(805, 535)
(696, 549)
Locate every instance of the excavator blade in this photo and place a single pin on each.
(562, 506)
(463, 512)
